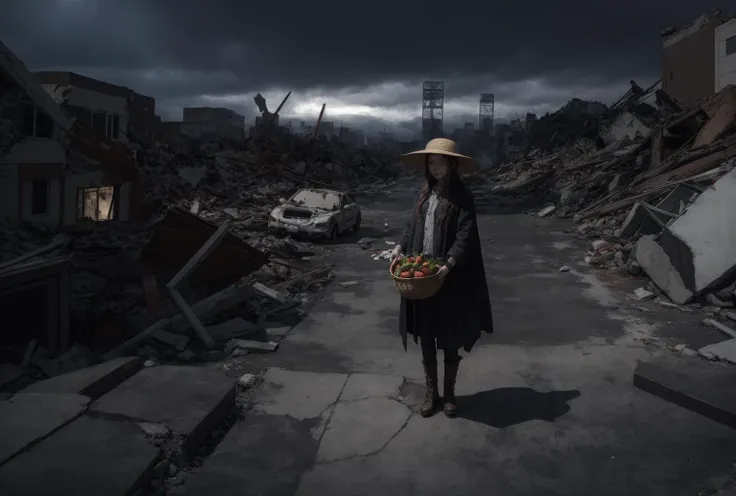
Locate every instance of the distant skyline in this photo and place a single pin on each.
(368, 68)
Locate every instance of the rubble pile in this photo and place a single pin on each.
(260, 171)
(654, 192)
(118, 271)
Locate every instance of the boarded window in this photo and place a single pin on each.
(95, 203)
(731, 45)
(40, 197)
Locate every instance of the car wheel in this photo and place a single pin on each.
(356, 227)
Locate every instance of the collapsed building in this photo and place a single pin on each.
(127, 245)
(653, 189)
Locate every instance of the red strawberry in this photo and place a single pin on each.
(418, 274)
(405, 275)
(419, 259)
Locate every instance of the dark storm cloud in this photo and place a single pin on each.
(179, 49)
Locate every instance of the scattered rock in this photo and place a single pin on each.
(642, 294)
(154, 430)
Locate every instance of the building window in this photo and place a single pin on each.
(44, 125)
(32, 122)
(95, 203)
(40, 197)
(731, 45)
(113, 126)
(99, 122)
(27, 118)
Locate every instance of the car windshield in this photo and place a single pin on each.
(324, 200)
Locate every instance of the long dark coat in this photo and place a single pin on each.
(461, 310)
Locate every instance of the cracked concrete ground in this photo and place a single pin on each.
(548, 402)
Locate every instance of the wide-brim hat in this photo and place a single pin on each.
(440, 146)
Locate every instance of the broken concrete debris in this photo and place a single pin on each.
(653, 191)
(179, 260)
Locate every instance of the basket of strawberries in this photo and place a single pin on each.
(416, 276)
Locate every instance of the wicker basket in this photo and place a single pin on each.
(420, 288)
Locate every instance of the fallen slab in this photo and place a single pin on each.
(265, 454)
(89, 457)
(724, 351)
(693, 383)
(92, 381)
(654, 261)
(278, 441)
(694, 253)
(191, 401)
(28, 418)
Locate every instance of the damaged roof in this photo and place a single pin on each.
(17, 70)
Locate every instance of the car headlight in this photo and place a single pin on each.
(321, 221)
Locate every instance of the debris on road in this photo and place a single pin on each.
(651, 185)
(191, 264)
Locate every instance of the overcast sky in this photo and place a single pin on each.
(365, 60)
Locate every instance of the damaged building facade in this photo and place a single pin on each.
(113, 111)
(695, 58)
(53, 171)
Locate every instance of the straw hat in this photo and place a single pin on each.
(440, 146)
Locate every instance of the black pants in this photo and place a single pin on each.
(429, 351)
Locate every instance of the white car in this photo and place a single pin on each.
(322, 213)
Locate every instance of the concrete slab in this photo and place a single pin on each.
(725, 350)
(380, 420)
(92, 381)
(89, 457)
(189, 400)
(265, 454)
(268, 451)
(660, 269)
(28, 418)
(700, 239)
(360, 386)
(301, 395)
(693, 383)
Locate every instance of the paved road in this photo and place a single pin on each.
(549, 406)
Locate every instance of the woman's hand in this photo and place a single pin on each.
(396, 254)
(444, 270)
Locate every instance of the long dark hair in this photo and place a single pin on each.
(447, 190)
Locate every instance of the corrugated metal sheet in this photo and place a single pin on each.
(180, 234)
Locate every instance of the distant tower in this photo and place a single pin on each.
(485, 114)
(433, 104)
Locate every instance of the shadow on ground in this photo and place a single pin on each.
(504, 407)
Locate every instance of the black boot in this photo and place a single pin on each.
(451, 367)
(432, 399)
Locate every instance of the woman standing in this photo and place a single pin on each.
(443, 224)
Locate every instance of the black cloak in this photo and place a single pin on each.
(461, 310)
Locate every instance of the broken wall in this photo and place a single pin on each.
(626, 126)
(95, 102)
